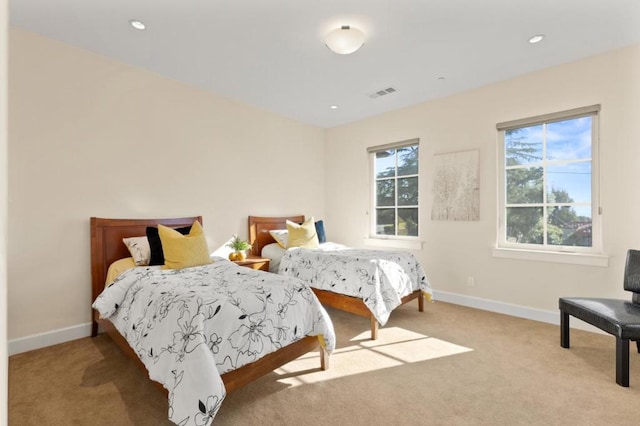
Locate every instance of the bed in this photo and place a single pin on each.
(261, 239)
(107, 247)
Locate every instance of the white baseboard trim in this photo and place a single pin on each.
(519, 311)
(62, 335)
(49, 338)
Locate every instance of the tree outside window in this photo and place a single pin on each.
(396, 190)
(547, 183)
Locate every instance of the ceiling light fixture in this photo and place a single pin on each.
(138, 25)
(344, 40)
(536, 38)
(334, 107)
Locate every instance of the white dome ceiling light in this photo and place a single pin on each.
(344, 40)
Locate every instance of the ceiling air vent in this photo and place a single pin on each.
(382, 92)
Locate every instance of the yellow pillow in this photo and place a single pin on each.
(184, 251)
(304, 235)
(118, 267)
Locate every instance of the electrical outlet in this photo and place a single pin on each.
(471, 281)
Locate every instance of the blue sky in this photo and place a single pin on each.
(568, 155)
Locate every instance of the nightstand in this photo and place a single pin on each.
(254, 262)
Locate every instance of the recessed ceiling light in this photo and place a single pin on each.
(334, 107)
(138, 25)
(536, 38)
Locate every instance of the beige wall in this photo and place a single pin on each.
(454, 250)
(89, 136)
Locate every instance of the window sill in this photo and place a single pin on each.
(393, 243)
(553, 256)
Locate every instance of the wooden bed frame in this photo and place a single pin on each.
(259, 237)
(107, 247)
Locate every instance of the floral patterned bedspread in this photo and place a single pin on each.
(379, 277)
(189, 326)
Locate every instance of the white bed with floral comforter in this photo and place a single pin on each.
(381, 278)
(191, 325)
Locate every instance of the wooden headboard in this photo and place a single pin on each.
(107, 245)
(259, 230)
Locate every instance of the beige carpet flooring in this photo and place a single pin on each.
(449, 365)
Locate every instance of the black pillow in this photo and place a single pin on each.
(155, 245)
(322, 237)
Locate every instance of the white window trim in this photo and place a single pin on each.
(575, 255)
(587, 259)
(405, 243)
(391, 241)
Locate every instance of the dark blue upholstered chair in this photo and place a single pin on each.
(620, 318)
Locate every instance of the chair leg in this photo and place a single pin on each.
(622, 362)
(564, 329)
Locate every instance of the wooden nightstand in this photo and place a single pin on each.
(254, 262)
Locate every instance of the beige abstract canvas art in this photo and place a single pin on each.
(456, 186)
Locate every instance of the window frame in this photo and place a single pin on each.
(371, 151)
(596, 210)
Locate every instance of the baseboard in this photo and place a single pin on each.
(551, 317)
(50, 338)
(37, 341)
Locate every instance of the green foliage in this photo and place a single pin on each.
(407, 163)
(524, 225)
(555, 235)
(525, 186)
(238, 244)
(406, 195)
(408, 226)
(519, 149)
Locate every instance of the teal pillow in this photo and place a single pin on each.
(322, 237)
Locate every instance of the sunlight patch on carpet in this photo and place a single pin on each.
(394, 348)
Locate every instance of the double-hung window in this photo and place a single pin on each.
(395, 189)
(548, 182)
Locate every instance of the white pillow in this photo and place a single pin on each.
(281, 236)
(139, 249)
(274, 252)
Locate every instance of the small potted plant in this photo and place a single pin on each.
(239, 248)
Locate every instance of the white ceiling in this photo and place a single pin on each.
(271, 54)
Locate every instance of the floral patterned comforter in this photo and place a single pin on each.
(379, 277)
(189, 326)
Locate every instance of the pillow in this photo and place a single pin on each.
(322, 237)
(117, 268)
(139, 249)
(274, 252)
(281, 236)
(184, 251)
(304, 235)
(155, 245)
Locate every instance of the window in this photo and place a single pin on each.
(395, 189)
(548, 182)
